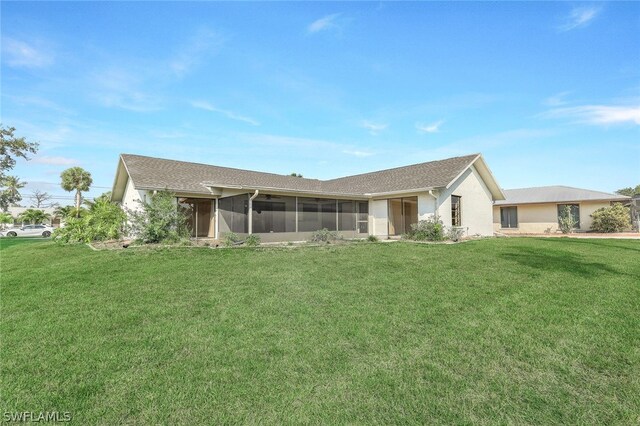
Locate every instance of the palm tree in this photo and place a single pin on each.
(34, 216)
(5, 218)
(13, 185)
(76, 179)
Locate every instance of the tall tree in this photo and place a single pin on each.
(76, 179)
(11, 148)
(13, 185)
(629, 192)
(39, 198)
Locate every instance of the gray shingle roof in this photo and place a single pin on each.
(555, 194)
(180, 176)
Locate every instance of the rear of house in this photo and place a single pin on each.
(537, 210)
(220, 200)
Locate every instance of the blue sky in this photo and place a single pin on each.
(548, 92)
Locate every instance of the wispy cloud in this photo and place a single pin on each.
(204, 42)
(429, 128)
(229, 114)
(357, 153)
(326, 23)
(599, 115)
(18, 53)
(120, 88)
(55, 161)
(372, 127)
(557, 100)
(579, 17)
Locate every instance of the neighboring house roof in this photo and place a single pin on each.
(556, 194)
(180, 176)
(16, 211)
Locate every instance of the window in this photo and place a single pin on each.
(575, 212)
(363, 217)
(346, 215)
(233, 213)
(315, 214)
(273, 213)
(508, 217)
(456, 214)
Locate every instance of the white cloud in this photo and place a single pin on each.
(579, 17)
(372, 127)
(120, 88)
(17, 53)
(322, 24)
(358, 153)
(55, 161)
(557, 100)
(229, 114)
(203, 43)
(429, 128)
(598, 114)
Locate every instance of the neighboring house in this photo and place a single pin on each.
(537, 210)
(385, 203)
(16, 211)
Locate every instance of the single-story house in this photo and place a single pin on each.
(537, 210)
(15, 212)
(385, 203)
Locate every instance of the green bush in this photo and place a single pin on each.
(159, 220)
(324, 236)
(615, 218)
(567, 223)
(252, 240)
(103, 220)
(372, 239)
(431, 229)
(231, 239)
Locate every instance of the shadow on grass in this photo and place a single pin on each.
(558, 261)
(595, 243)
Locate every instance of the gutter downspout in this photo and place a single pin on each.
(251, 210)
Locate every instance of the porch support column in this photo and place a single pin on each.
(250, 218)
(296, 214)
(216, 226)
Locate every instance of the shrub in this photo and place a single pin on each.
(455, 233)
(159, 220)
(231, 239)
(252, 240)
(372, 239)
(615, 218)
(567, 223)
(103, 220)
(431, 229)
(324, 236)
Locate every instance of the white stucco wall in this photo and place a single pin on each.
(426, 206)
(543, 217)
(476, 203)
(132, 197)
(378, 217)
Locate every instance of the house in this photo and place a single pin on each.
(15, 212)
(385, 203)
(537, 210)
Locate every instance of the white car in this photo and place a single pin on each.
(28, 231)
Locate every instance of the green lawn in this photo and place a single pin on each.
(495, 331)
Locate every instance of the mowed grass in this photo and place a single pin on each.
(512, 330)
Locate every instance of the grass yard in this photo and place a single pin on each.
(492, 331)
